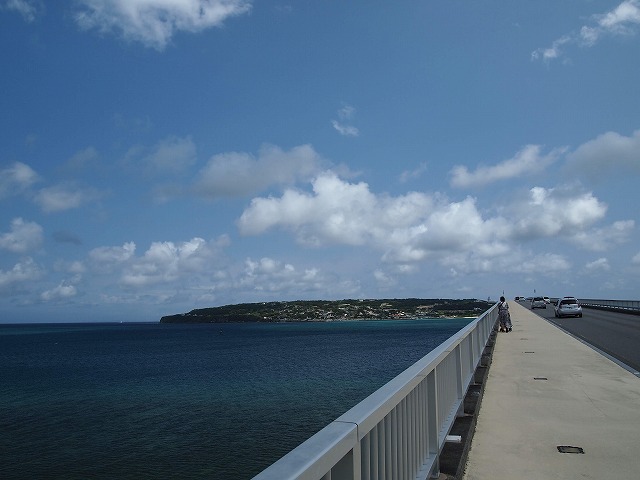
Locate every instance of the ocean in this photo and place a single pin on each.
(211, 401)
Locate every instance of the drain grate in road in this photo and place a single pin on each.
(540, 378)
(570, 449)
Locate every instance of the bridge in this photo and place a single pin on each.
(549, 406)
(553, 407)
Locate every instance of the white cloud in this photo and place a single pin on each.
(29, 9)
(623, 20)
(166, 261)
(172, 155)
(507, 261)
(548, 263)
(601, 239)
(601, 264)
(23, 237)
(75, 268)
(62, 291)
(383, 279)
(271, 276)
(407, 228)
(345, 114)
(415, 227)
(345, 130)
(22, 272)
(164, 269)
(338, 212)
(555, 212)
(552, 52)
(63, 197)
(636, 259)
(412, 174)
(238, 174)
(112, 255)
(608, 154)
(16, 178)
(527, 161)
(154, 22)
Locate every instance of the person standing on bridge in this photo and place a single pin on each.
(503, 316)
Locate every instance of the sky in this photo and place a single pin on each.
(158, 156)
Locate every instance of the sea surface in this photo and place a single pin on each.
(214, 401)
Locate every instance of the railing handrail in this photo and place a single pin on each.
(399, 430)
(615, 304)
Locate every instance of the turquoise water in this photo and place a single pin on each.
(151, 401)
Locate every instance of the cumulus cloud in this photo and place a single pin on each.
(415, 227)
(555, 212)
(22, 272)
(63, 197)
(608, 154)
(29, 9)
(162, 263)
(238, 174)
(527, 161)
(623, 20)
(601, 264)
(167, 261)
(23, 237)
(61, 292)
(112, 255)
(153, 23)
(16, 179)
(274, 276)
(337, 212)
(601, 239)
(407, 227)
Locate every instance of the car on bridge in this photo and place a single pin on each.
(568, 307)
(538, 302)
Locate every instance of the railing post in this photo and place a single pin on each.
(459, 380)
(348, 468)
(434, 424)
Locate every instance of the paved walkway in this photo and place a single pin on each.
(546, 389)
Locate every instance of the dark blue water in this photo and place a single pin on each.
(136, 401)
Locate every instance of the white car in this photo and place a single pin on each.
(538, 302)
(568, 307)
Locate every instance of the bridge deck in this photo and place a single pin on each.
(546, 389)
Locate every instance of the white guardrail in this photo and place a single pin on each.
(615, 304)
(399, 430)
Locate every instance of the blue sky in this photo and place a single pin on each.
(162, 155)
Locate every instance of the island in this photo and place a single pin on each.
(333, 310)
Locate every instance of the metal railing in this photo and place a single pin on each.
(399, 430)
(612, 304)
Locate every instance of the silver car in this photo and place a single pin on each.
(538, 302)
(568, 307)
